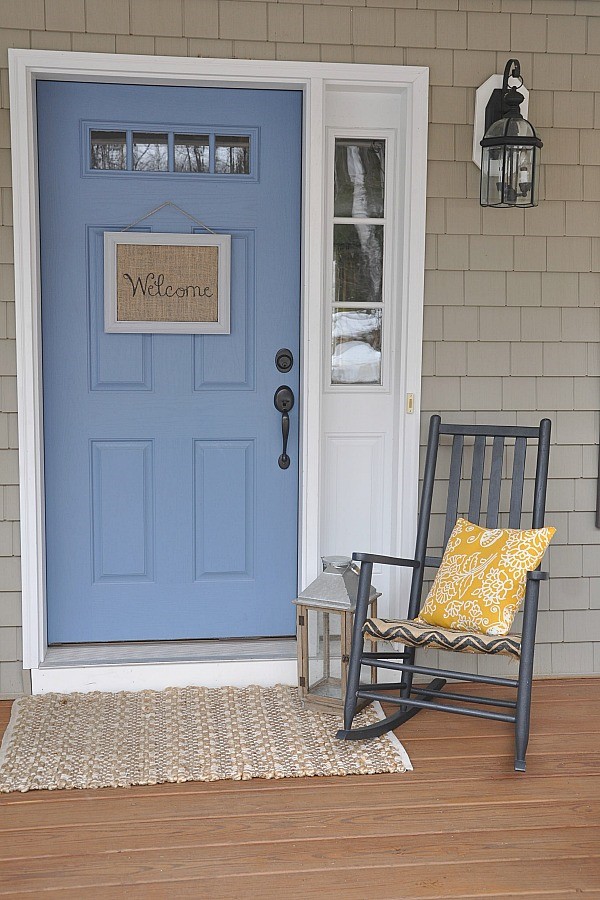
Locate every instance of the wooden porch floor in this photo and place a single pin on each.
(463, 824)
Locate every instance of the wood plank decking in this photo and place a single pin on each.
(463, 824)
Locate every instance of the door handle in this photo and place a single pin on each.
(284, 402)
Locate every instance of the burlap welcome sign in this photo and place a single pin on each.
(166, 283)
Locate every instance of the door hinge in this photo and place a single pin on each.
(410, 403)
(302, 681)
(300, 620)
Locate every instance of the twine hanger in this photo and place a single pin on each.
(162, 206)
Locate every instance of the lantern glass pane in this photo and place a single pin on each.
(491, 176)
(518, 176)
(324, 653)
(516, 127)
(509, 171)
(526, 174)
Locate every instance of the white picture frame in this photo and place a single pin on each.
(113, 325)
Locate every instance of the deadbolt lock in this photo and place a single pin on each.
(284, 360)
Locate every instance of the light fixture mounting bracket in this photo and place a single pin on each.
(491, 89)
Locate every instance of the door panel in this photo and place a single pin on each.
(224, 477)
(122, 510)
(167, 515)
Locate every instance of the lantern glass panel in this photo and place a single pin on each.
(324, 653)
(509, 176)
(491, 176)
(528, 176)
(509, 170)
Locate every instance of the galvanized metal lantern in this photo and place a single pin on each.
(325, 614)
(510, 149)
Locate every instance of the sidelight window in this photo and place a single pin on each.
(358, 251)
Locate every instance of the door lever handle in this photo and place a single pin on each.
(284, 402)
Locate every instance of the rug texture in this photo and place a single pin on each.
(95, 740)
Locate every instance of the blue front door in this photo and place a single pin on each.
(167, 514)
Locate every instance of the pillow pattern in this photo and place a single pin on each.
(481, 580)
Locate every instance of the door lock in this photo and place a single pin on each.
(284, 360)
(284, 402)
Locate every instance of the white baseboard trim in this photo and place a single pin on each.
(157, 676)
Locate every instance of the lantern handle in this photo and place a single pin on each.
(511, 98)
(515, 73)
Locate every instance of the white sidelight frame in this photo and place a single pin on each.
(313, 79)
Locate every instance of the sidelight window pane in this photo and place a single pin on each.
(192, 153)
(108, 150)
(359, 178)
(232, 155)
(150, 152)
(356, 346)
(357, 263)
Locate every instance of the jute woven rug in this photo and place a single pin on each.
(58, 741)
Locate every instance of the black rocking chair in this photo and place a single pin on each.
(412, 699)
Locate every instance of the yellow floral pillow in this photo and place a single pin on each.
(482, 577)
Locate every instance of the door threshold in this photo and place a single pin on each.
(156, 665)
(153, 652)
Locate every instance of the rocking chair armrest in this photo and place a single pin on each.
(386, 560)
(537, 575)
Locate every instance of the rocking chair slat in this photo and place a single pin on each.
(541, 475)
(433, 704)
(491, 430)
(493, 504)
(477, 479)
(467, 698)
(454, 485)
(434, 561)
(518, 475)
(443, 673)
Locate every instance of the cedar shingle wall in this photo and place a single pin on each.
(512, 298)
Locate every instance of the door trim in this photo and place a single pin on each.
(28, 66)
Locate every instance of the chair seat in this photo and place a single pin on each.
(416, 633)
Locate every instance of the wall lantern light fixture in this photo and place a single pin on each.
(510, 148)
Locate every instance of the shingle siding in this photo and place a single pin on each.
(507, 293)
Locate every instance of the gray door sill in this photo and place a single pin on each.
(152, 652)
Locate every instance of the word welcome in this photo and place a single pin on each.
(154, 286)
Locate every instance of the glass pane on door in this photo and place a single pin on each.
(232, 155)
(192, 153)
(150, 152)
(108, 150)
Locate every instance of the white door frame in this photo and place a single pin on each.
(27, 66)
